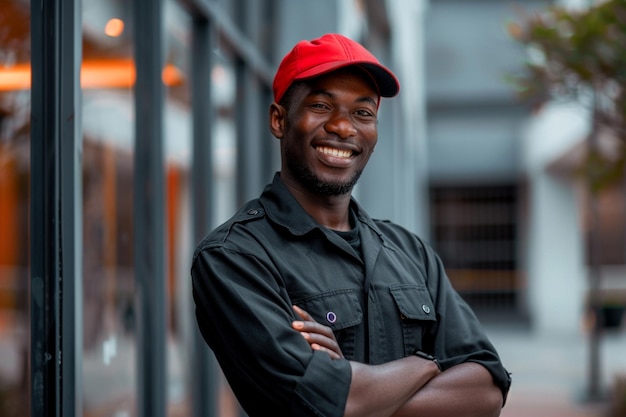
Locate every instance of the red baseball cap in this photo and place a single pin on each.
(328, 53)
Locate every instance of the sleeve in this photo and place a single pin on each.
(244, 314)
(458, 336)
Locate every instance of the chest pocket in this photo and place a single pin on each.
(417, 315)
(337, 309)
(340, 310)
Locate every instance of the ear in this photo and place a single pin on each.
(277, 120)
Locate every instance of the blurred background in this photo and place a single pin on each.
(129, 129)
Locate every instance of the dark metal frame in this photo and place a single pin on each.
(56, 194)
(55, 205)
(254, 74)
(248, 111)
(210, 21)
(231, 34)
(205, 381)
(149, 209)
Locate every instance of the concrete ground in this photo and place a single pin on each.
(550, 372)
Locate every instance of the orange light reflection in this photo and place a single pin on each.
(118, 73)
(114, 27)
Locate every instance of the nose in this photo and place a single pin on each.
(341, 125)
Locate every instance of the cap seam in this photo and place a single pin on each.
(346, 51)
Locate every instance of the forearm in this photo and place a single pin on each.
(380, 390)
(465, 390)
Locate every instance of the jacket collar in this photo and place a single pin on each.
(283, 209)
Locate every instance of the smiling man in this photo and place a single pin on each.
(312, 307)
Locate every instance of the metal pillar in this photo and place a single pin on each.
(55, 209)
(248, 110)
(204, 375)
(149, 210)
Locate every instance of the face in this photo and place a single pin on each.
(328, 131)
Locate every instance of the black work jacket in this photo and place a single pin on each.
(382, 306)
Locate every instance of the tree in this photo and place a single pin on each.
(580, 55)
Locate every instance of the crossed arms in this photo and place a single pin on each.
(410, 386)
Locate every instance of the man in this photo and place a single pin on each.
(312, 307)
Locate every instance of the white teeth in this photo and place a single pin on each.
(335, 152)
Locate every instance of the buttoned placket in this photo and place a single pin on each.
(371, 246)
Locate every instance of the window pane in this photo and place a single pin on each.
(224, 135)
(178, 143)
(107, 75)
(475, 233)
(14, 208)
(224, 153)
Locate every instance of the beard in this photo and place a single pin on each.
(314, 184)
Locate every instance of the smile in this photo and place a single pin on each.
(338, 153)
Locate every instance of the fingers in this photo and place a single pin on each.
(308, 324)
(324, 344)
(318, 336)
(303, 314)
(333, 354)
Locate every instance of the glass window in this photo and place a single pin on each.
(178, 144)
(14, 208)
(107, 76)
(224, 134)
(475, 233)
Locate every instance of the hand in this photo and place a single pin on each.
(318, 336)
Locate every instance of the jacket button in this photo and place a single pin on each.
(426, 309)
(331, 317)
(252, 212)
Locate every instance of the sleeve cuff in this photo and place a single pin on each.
(324, 387)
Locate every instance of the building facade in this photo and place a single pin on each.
(129, 129)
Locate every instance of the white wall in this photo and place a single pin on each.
(407, 25)
(555, 253)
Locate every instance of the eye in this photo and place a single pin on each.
(319, 105)
(365, 114)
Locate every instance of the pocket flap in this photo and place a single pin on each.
(413, 302)
(336, 309)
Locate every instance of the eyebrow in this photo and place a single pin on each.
(322, 92)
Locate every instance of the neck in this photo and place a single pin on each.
(329, 211)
